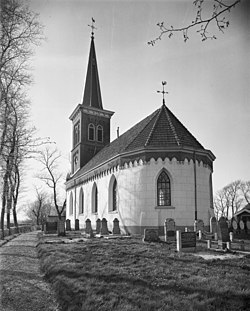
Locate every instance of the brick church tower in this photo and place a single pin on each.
(91, 123)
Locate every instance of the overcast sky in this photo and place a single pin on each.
(208, 82)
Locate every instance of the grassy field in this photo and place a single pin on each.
(100, 274)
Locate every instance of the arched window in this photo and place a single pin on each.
(113, 194)
(71, 204)
(94, 199)
(99, 133)
(91, 132)
(163, 190)
(81, 202)
(76, 134)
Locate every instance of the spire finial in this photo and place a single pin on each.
(163, 91)
(92, 27)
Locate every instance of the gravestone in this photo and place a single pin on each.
(242, 225)
(68, 226)
(223, 232)
(169, 227)
(234, 224)
(213, 225)
(98, 226)
(88, 228)
(77, 224)
(116, 228)
(61, 227)
(151, 235)
(188, 239)
(199, 225)
(51, 227)
(104, 227)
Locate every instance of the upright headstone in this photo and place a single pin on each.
(116, 228)
(104, 227)
(77, 224)
(151, 235)
(61, 227)
(98, 226)
(169, 228)
(213, 225)
(88, 228)
(68, 226)
(223, 232)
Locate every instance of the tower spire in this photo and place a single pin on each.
(92, 91)
(163, 91)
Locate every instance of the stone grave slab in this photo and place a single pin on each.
(151, 235)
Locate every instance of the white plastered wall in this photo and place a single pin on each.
(137, 201)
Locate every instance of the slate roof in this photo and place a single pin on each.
(244, 209)
(159, 130)
(92, 91)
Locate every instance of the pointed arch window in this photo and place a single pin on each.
(81, 202)
(71, 204)
(163, 190)
(76, 134)
(94, 199)
(100, 133)
(91, 132)
(114, 194)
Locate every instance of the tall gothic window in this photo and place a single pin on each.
(94, 199)
(91, 132)
(81, 202)
(99, 133)
(76, 133)
(163, 190)
(114, 195)
(71, 204)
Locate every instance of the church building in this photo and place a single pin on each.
(155, 170)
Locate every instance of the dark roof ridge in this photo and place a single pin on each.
(149, 120)
(172, 126)
(153, 127)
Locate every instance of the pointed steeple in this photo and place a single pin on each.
(92, 91)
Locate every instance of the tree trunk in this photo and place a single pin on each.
(15, 217)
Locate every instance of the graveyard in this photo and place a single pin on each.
(182, 270)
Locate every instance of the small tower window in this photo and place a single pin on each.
(91, 132)
(99, 133)
(163, 190)
(76, 134)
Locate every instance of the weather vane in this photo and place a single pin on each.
(92, 27)
(163, 91)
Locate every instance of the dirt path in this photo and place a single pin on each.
(22, 286)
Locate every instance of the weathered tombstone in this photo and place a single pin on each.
(234, 224)
(199, 224)
(77, 224)
(61, 227)
(242, 225)
(98, 226)
(188, 240)
(116, 228)
(104, 227)
(51, 227)
(213, 225)
(223, 232)
(88, 228)
(169, 228)
(68, 226)
(151, 235)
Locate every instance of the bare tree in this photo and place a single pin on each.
(245, 189)
(39, 210)
(49, 158)
(20, 33)
(219, 8)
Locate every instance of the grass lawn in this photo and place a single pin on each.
(100, 274)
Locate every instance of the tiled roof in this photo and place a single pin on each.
(160, 130)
